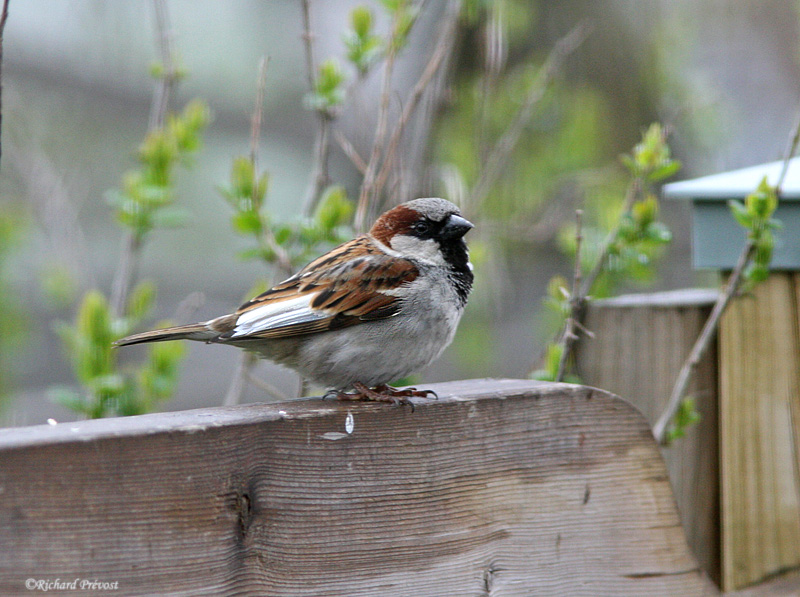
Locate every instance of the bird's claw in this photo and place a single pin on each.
(381, 393)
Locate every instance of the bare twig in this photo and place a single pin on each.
(282, 257)
(350, 151)
(576, 301)
(709, 329)
(701, 344)
(368, 188)
(129, 258)
(319, 175)
(441, 51)
(284, 261)
(495, 57)
(267, 387)
(258, 111)
(308, 44)
(239, 379)
(580, 291)
(634, 190)
(3, 18)
(500, 152)
(247, 361)
(169, 75)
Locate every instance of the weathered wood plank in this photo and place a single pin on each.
(759, 393)
(640, 343)
(784, 585)
(501, 487)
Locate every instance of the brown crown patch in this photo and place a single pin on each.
(395, 221)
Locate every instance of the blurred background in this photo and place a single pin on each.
(721, 75)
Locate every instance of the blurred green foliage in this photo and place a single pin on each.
(363, 49)
(13, 322)
(285, 245)
(328, 93)
(363, 46)
(755, 216)
(146, 200)
(561, 162)
(684, 418)
(108, 388)
(145, 203)
(549, 370)
(621, 254)
(639, 238)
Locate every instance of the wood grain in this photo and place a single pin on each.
(759, 394)
(639, 346)
(500, 487)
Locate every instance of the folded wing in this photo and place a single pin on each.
(353, 283)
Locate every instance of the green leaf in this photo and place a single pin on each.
(363, 48)
(247, 222)
(156, 69)
(762, 202)
(361, 21)
(242, 177)
(141, 300)
(756, 273)
(283, 233)
(92, 339)
(740, 214)
(628, 162)
(685, 417)
(334, 208)
(764, 247)
(69, 398)
(659, 233)
(328, 91)
(263, 253)
(664, 171)
(644, 212)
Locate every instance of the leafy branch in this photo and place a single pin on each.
(752, 267)
(144, 203)
(634, 239)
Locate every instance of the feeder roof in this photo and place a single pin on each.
(737, 183)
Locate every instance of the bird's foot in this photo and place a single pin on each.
(382, 393)
(406, 392)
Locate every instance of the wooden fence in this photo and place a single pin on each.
(500, 487)
(736, 474)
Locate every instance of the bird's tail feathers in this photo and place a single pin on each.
(192, 331)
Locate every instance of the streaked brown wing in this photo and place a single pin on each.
(344, 287)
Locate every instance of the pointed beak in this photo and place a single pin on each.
(456, 227)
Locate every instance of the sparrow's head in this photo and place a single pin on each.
(429, 230)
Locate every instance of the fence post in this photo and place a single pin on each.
(639, 346)
(760, 431)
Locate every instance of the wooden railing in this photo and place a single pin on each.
(499, 487)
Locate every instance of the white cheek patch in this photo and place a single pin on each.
(426, 251)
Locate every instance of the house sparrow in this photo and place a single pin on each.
(372, 310)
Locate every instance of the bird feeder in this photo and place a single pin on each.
(758, 376)
(717, 239)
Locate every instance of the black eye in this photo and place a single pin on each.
(422, 227)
